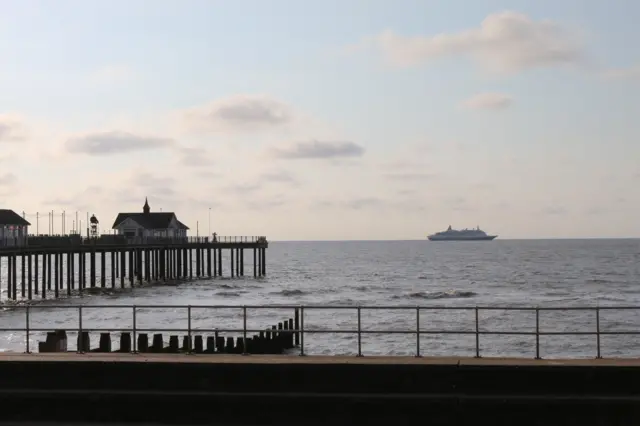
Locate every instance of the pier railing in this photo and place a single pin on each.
(358, 329)
(76, 240)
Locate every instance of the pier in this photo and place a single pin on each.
(50, 266)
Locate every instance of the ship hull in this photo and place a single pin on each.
(440, 238)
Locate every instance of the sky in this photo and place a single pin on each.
(332, 120)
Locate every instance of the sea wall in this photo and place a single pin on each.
(318, 393)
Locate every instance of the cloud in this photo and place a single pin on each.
(239, 113)
(115, 142)
(364, 203)
(195, 157)
(269, 203)
(493, 101)
(318, 150)
(554, 211)
(628, 73)
(278, 177)
(8, 179)
(410, 176)
(243, 188)
(147, 180)
(505, 42)
(208, 174)
(11, 129)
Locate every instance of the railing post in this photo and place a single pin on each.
(301, 331)
(359, 332)
(80, 337)
(28, 346)
(134, 332)
(477, 333)
(537, 333)
(244, 330)
(418, 332)
(598, 332)
(189, 349)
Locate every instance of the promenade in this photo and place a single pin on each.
(318, 390)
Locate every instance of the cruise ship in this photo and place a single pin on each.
(461, 235)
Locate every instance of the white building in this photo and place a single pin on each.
(13, 228)
(147, 224)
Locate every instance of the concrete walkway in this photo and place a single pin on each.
(294, 359)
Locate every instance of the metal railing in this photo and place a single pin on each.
(359, 331)
(75, 240)
(240, 239)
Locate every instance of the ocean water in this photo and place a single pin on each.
(389, 280)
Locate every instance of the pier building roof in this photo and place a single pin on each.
(9, 217)
(149, 220)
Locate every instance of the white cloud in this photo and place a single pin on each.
(488, 101)
(239, 113)
(11, 128)
(318, 150)
(114, 142)
(8, 179)
(504, 42)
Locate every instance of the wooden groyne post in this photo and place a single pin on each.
(275, 339)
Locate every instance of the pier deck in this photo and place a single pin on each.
(56, 265)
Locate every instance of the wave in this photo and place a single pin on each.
(289, 293)
(433, 295)
(229, 293)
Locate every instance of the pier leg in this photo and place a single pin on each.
(35, 272)
(30, 276)
(23, 276)
(219, 262)
(198, 264)
(264, 262)
(209, 262)
(147, 265)
(69, 272)
(191, 263)
(259, 262)
(177, 262)
(123, 265)
(131, 268)
(103, 267)
(215, 263)
(72, 262)
(9, 277)
(113, 269)
(92, 266)
(232, 265)
(139, 265)
(82, 271)
(56, 276)
(49, 272)
(61, 263)
(44, 276)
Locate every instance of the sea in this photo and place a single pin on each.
(466, 298)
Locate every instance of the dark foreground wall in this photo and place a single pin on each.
(301, 394)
